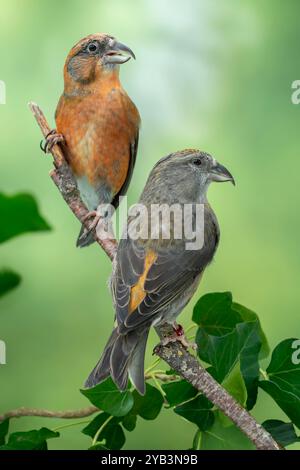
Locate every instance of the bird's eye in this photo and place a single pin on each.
(92, 47)
(197, 162)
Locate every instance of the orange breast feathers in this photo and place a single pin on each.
(137, 293)
(99, 129)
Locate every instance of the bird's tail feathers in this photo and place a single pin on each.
(123, 356)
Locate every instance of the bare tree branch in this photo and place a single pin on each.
(66, 414)
(180, 360)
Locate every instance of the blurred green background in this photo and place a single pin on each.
(210, 74)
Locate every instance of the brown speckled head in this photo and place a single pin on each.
(93, 55)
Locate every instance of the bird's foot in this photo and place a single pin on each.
(178, 336)
(95, 215)
(96, 218)
(99, 223)
(51, 139)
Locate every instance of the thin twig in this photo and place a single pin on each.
(66, 414)
(174, 354)
(71, 425)
(73, 414)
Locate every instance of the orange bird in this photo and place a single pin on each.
(97, 124)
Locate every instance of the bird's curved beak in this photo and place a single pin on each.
(118, 53)
(220, 174)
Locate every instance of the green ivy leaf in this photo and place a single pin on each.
(149, 405)
(30, 440)
(112, 431)
(8, 281)
(3, 431)
(220, 437)
(283, 433)
(179, 392)
(214, 311)
(129, 422)
(248, 315)
(197, 411)
(19, 214)
(223, 352)
(114, 436)
(284, 379)
(97, 422)
(108, 398)
(249, 345)
(218, 317)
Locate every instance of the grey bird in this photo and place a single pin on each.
(155, 273)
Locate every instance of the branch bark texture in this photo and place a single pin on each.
(188, 367)
(66, 414)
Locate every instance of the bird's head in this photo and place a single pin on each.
(187, 174)
(93, 56)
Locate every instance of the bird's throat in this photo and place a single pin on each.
(103, 83)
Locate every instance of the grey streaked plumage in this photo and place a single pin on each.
(174, 274)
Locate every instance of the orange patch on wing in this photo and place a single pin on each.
(137, 293)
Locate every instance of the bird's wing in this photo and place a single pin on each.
(146, 281)
(133, 153)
